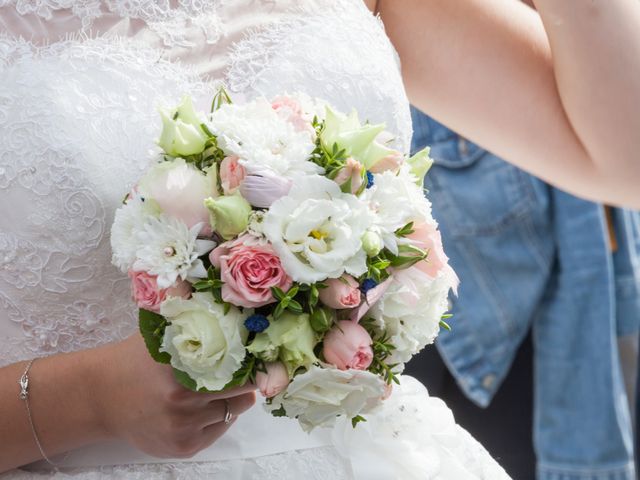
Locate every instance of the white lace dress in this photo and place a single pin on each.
(80, 82)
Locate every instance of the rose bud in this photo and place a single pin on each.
(341, 293)
(231, 174)
(262, 190)
(391, 162)
(372, 243)
(274, 380)
(321, 319)
(181, 132)
(348, 345)
(228, 215)
(350, 176)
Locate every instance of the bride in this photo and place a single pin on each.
(80, 84)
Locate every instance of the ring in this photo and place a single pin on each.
(227, 412)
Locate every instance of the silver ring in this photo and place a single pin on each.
(227, 412)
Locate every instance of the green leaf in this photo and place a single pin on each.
(152, 328)
(279, 412)
(445, 325)
(293, 291)
(245, 373)
(278, 293)
(356, 420)
(295, 307)
(406, 230)
(185, 380)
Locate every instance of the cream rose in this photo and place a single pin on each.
(317, 397)
(203, 341)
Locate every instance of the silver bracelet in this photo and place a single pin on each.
(24, 395)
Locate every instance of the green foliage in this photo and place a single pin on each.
(220, 98)
(279, 412)
(247, 372)
(152, 328)
(356, 420)
(382, 350)
(443, 322)
(286, 301)
(406, 230)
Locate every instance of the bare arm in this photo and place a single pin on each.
(116, 391)
(558, 97)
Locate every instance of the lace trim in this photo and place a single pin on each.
(171, 24)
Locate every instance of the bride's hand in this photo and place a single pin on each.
(141, 402)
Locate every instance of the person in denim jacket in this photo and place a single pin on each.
(533, 257)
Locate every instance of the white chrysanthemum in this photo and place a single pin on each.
(203, 340)
(317, 397)
(169, 249)
(411, 309)
(264, 141)
(317, 231)
(129, 221)
(395, 200)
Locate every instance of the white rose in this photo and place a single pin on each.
(317, 397)
(411, 309)
(316, 231)
(202, 340)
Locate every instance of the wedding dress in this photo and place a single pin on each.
(80, 84)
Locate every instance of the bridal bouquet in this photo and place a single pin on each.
(287, 244)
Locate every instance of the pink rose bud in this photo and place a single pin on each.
(249, 269)
(274, 381)
(348, 345)
(351, 172)
(391, 162)
(262, 190)
(231, 174)
(343, 292)
(148, 296)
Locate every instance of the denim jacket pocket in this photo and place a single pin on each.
(506, 196)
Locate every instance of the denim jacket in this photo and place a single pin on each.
(531, 256)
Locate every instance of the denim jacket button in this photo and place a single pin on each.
(463, 146)
(488, 381)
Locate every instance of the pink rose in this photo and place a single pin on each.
(351, 172)
(231, 174)
(291, 110)
(249, 268)
(427, 237)
(343, 292)
(275, 380)
(148, 296)
(348, 345)
(391, 162)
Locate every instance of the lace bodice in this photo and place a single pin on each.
(78, 120)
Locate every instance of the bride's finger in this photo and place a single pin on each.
(213, 432)
(229, 408)
(234, 392)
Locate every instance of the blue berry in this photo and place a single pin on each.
(370, 180)
(368, 284)
(256, 323)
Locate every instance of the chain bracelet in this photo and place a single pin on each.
(24, 396)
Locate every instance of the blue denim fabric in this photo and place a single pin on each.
(531, 256)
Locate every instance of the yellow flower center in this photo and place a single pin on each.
(318, 234)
